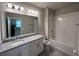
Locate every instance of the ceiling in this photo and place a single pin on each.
(53, 5)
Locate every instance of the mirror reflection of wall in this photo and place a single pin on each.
(17, 24)
(13, 26)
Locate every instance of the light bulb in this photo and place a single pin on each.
(9, 5)
(29, 10)
(36, 12)
(16, 7)
(21, 8)
(60, 19)
(33, 11)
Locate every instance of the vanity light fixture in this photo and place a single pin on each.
(9, 5)
(21, 8)
(16, 7)
(33, 11)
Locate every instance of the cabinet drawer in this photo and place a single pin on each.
(25, 50)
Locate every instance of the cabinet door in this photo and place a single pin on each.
(12, 52)
(36, 47)
(25, 49)
(40, 46)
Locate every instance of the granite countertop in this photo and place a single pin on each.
(9, 45)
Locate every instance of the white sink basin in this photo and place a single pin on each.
(17, 42)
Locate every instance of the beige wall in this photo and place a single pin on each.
(41, 21)
(49, 23)
(68, 9)
(46, 23)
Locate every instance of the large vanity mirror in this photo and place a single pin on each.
(17, 24)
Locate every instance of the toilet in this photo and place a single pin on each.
(47, 44)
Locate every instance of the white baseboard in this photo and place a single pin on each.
(63, 48)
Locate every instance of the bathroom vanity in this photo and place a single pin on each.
(19, 35)
(27, 46)
(15, 29)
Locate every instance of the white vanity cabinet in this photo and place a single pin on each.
(12, 52)
(31, 48)
(25, 49)
(36, 47)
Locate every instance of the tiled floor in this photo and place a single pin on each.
(53, 52)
